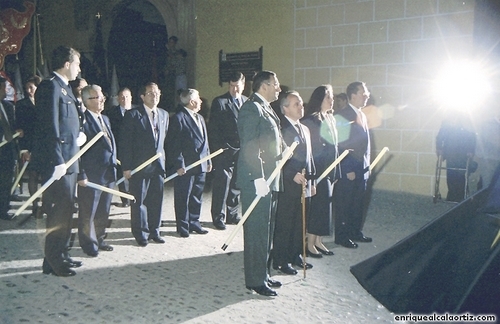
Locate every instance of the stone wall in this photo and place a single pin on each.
(396, 47)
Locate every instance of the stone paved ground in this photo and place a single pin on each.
(192, 280)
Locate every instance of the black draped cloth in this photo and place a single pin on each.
(450, 265)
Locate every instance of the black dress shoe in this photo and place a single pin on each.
(142, 243)
(63, 271)
(219, 224)
(287, 269)
(362, 239)
(298, 262)
(273, 283)
(263, 290)
(234, 221)
(158, 240)
(124, 204)
(200, 230)
(7, 216)
(347, 243)
(314, 255)
(73, 263)
(92, 253)
(105, 247)
(324, 252)
(301, 265)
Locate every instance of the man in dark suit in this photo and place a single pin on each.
(97, 165)
(26, 120)
(8, 152)
(142, 136)
(350, 189)
(116, 114)
(261, 148)
(58, 141)
(223, 133)
(288, 234)
(187, 143)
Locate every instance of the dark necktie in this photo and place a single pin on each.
(198, 122)
(301, 134)
(155, 125)
(5, 125)
(236, 102)
(105, 130)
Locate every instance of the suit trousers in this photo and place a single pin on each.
(188, 190)
(145, 212)
(6, 175)
(287, 243)
(123, 186)
(349, 207)
(93, 215)
(225, 195)
(258, 232)
(59, 204)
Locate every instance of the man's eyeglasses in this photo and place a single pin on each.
(103, 98)
(153, 93)
(275, 84)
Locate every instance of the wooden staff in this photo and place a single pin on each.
(194, 164)
(109, 190)
(52, 179)
(303, 201)
(19, 177)
(333, 165)
(378, 158)
(2, 143)
(140, 167)
(285, 156)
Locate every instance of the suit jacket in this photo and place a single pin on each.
(137, 143)
(8, 152)
(353, 135)
(261, 143)
(116, 118)
(324, 148)
(58, 125)
(301, 159)
(26, 120)
(99, 162)
(186, 143)
(223, 129)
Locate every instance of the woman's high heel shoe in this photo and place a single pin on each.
(314, 255)
(325, 252)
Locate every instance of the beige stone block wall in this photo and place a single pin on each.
(396, 47)
(242, 26)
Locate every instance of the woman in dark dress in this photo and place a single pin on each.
(319, 118)
(26, 120)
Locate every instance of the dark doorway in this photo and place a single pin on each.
(136, 46)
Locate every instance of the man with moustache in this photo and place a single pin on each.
(187, 143)
(115, 115)
(261, 149)
(142, 136)
(223, 133)
(97, 165)
(58, 141)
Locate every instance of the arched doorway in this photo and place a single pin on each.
(136, 45)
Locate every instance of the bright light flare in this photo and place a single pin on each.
(462, 85)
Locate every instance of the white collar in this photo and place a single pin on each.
(261, 97)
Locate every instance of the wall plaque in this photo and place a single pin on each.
(247, 63)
